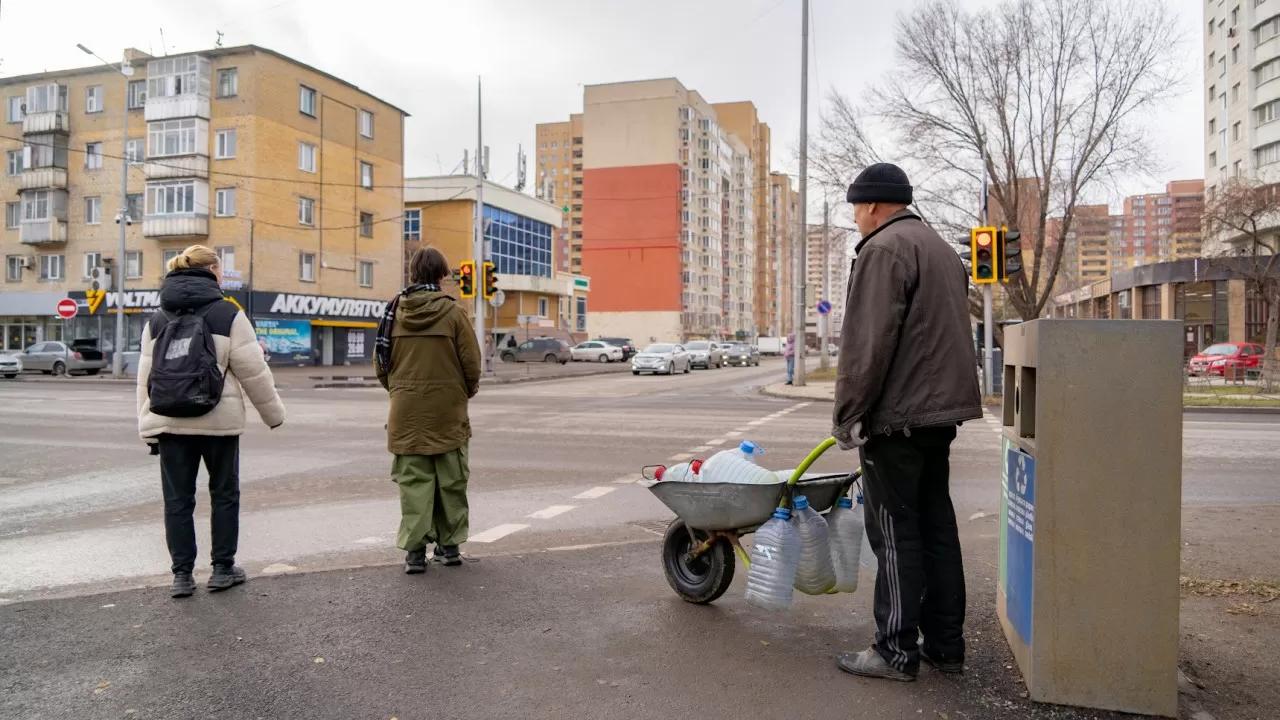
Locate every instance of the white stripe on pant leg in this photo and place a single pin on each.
(894, 625)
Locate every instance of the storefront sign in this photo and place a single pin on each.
(285, 339)
(318, 306)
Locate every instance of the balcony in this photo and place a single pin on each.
(42, 232)
(178, 166)
(177, 106)
(44, 178)
(54, 121)
(181, 225)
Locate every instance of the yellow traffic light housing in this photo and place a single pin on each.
(467, 279)
(490, 280)
(982, 250)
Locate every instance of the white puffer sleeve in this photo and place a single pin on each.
(144, 373)
(250, 368)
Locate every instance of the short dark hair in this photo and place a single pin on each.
(428, 265)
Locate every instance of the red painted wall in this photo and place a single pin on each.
(631, 237)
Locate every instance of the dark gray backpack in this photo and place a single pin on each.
(185, 380)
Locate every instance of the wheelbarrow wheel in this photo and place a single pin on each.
(699, 580)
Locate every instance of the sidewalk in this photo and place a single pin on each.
(820, 390)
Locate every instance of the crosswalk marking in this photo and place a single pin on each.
(549, 512)
(593, 493)
(497, 533)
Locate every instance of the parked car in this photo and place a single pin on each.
(628, 349)
(664, 358)
(597, 351)
(549, 350)
(57, 358)
(705, 355)
(1215, 359)
(744, 355)
(10, 365)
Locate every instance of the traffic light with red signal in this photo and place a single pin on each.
(490, 281)
(982, 251)
(467, 279)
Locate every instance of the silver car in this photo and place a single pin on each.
(705, 355)
(56, 358)
(661, 358)
(10, 365)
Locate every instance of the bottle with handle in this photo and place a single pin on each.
(814, 574)
(737, 466)
(846, 525)
(775, 556)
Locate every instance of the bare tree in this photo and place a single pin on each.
(1045, 99)
(1245, 214)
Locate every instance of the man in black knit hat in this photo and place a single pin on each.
(906, 380)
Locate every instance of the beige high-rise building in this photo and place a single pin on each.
(741, 119)
(292, 175)
(784, 216)
(828, 275)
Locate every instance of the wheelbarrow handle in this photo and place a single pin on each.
(803, 467)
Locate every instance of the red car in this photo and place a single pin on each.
(1214, 359)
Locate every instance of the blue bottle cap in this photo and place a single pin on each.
(845, 502)
(749, 448)
(801, 502)
(782, 514)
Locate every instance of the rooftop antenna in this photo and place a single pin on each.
(164, 47)
(520, 168)
(219, 42)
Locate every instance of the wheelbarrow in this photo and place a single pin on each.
(700, 544)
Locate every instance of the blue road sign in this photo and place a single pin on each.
(824, 307)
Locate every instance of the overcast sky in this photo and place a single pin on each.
(535, 56)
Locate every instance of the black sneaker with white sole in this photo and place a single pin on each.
(448, 555)
(225, 576)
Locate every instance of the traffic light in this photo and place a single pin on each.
(1009, 250)
(982, 242)
(490, 280)
(467, 279)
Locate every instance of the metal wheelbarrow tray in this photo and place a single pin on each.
(743, 508)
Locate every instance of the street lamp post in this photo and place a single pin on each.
(123, 220)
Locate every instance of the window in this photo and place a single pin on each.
(1266, 154)
(1267, 30)
(521, 245)
(1213, 159)
(171, 137)
(1268, 112)
(93, 99)
(1267, 71)
(1235, 131)
(51, 267)
(46, 98)
(1235, 93)
(137, 94)
(366, 224)
(167, 255)
(133, 264)
(13, 162)
(35, 205)
(13, 265)
(1235, 55)
(366, 273)
(366, 175)
(172, 198)
(366, 123)
(225, 144)
(228, 82)
(12, 215)
(226, 257)
(91, 261)
(306, 100)
(92, 210)
(1213, 125)
(307, 267)
(13, 109)
(412, 225)
(173, 76)
(582, 314)
(306, 211)
(134, 201)
(94, 156)
(224, 202)
(135, 150)
(306, 157)
(542, 307)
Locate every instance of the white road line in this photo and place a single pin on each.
(701, 448)
(547, 513)
(594, 493)
(757, 423)
(680, 457)
(717, 441)
(733, 434)
(997, 430)
(628, 479)
(802, 406)
(497, 533)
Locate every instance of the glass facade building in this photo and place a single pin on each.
(518, 245)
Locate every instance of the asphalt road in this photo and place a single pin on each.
(563, 608)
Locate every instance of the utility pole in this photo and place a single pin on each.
(800, 256)
(988, 333)
(825, 320)
(477, 249)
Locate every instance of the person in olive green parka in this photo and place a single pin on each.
(429, 361)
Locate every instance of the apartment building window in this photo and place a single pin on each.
(13, 162)
(1212, 57)
(306, 100)
(226, 257)
(225, 144)
(93, 99)
(51, 267)
(168, 255)
(92, 210)
(135, 150)
(13, 265)
(225, 202)
(1268, 112)
(137, 94)
(1266, 154)
(412, 225)
(13, 109)
(1267, 71)
(46, 98)
(93, 156)
(134, 205)
(172, 198)
(91, 261)
(1235, 55)
(173, 76)
(35, 205)
(12, 215)
(171, 137)
(306, 157)
(307, 267)
(1267, 30)
(306, 211)
(366, 123)
(133, 264)
(365, 274)
(1212, 92)
(1235, 131)
(366, 175)
(1222, 67)
(1235, 93)
(228, 82)
(366, 224)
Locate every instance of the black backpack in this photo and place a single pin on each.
(185, 380)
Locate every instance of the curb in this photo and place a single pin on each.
(793, 396)
(1231, 410)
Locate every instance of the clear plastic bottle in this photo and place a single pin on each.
(775, 555)
(814, 574)
(684, 472)
(846, 526)
(868, 558)
(737, 466)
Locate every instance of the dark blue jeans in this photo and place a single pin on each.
(180, 457)
(791, 368)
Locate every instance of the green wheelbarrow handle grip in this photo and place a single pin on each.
(800, 470)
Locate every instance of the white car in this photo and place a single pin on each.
(661, 358)
(10, 365)
(596, 351)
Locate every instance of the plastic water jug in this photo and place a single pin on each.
(846, 526)
(737, 466)
(868, 555)
(684, 472)
(814, 574)
(775, 555)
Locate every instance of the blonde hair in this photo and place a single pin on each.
(195, 256)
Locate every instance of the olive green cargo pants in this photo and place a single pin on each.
(433, 498)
